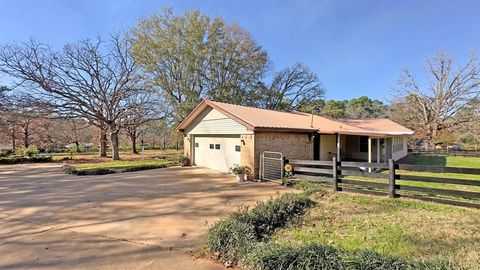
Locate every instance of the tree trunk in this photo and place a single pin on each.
(103, 142)
(77, 145)
(114, 142)
(133, 138)
(14, 142)
(26, 136)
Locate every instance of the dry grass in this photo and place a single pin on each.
(405, 228)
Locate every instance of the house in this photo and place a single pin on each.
(218, 135)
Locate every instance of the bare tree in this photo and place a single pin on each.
(18, 119)
(290, 89)
(145, 108)
(434, 106)
(91, 79)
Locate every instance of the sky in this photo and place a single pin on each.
(357, 47)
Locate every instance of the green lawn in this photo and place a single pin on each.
(404, 228)
(117, 166)
(446, 161)
(123, 164)
(451, 161)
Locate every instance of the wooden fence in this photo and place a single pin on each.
(342, 177)
(442, 152)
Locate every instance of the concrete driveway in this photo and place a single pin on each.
(141, 220)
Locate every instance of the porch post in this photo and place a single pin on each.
(369, 152)
(378, 150)
(338, 148)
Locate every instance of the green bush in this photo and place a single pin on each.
(6, 153)
(275, 256)
(268, 216)
(435, 265)
(231, 238)
(68, 169)
(22, 159)
(372, 260)
(28, 151)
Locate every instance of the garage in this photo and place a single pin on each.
(216, 152)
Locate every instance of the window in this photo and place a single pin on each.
(217, 146)
(237, 148)
(212, 146)
(363, 144)
(196, 144)
(397, 144)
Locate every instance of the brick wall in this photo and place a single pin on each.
(291, 145)
(186, 148)
(247, 157)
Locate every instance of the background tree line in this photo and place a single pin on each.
(140, 84)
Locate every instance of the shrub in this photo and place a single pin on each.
(237, 169)
(268, 216)
(40, 158)
(6, 153)
(266, 256)
(372, 260)
(22, 159)
(286, 256)
(68, 169)
(233, 237)
(28, 151)
(183, 160)
(435, 265)
(230, 239)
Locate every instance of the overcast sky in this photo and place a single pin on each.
(356, 47)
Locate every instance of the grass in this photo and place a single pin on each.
(92, 164)
(403, 228)
(123, 164)
(124, 155)
(449, 161)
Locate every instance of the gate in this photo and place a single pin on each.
(271, 165)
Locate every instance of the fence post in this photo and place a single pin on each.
(335, 174)
(391, 178)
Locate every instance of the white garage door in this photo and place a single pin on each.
(218, 153)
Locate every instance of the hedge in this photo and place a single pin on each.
(69, 169)
(231, 238)
(22, 159)
(277, 256)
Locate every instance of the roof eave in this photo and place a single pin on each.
(285, 129)
(200, 107)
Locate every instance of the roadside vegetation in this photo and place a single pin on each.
(25, 155)
(317, 229)
(92, 165)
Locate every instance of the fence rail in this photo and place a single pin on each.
(342, 177)
(468, 153)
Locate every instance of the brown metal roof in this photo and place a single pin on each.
(262, 119)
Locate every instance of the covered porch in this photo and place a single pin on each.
(353, 147)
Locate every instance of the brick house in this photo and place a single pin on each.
(218, 135)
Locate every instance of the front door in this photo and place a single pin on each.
(316, 146)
